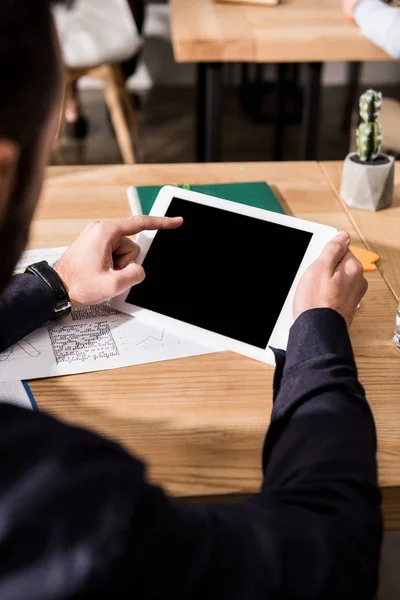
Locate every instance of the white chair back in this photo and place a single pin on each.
(96, 32)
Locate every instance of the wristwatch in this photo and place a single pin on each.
(62, 303)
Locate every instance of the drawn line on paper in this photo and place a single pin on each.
(31, 351)
(152, 337)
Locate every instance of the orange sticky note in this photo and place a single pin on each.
(366, 258)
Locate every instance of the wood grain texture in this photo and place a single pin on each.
(293, 31)
(380, 230)
(203, 30)
(68, 204)
(391, 508)
(200, 422)
(262, 2)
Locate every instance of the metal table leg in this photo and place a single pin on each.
(352, 87)
(279, 112)
(309, 128)
(209, 112)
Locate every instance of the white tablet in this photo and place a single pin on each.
(227, 276)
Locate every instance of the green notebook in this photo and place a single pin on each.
(257, 194)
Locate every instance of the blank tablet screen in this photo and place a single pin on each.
(224, 272)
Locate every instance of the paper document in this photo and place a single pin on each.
(18, 393)
(93, 338)
(51, 255)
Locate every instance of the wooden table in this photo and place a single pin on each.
(200, 422)
(296, 31)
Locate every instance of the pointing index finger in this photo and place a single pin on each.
(133, 225)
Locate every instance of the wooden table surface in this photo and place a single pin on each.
(293, 31)
(200, 422)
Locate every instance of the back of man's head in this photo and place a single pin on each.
(30, 87)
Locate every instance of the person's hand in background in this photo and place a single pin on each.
(100, 264)
(334, 281)
(348, 7)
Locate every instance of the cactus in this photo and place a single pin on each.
(369, 133)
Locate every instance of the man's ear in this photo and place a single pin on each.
(9, 156)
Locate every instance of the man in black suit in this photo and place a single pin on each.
(78, 517)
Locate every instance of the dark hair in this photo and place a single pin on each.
(28, 68)
(29, 80)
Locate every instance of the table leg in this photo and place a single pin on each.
(245, 75)
(279, 112)
(294, 69)
(353, 84)
(209, 112)
(309, 128)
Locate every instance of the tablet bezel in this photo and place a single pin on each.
(279, 337)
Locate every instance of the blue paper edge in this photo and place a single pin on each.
(30, 395)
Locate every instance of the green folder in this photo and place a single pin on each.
(257, 193)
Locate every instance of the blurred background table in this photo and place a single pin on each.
(312, 32)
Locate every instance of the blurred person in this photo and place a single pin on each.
(79, 517)
(379, 20)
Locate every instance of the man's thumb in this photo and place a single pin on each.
(335, 250)
(125, 278)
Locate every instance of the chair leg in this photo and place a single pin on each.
(131, 113)
(58, 155)
(115, 106)
(57, 151)
(61, 120)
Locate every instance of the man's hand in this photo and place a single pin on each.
(335, 281)
(100, 264)
(348, 7)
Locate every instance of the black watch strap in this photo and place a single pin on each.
(62, 303)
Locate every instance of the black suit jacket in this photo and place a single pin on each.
(80, 520)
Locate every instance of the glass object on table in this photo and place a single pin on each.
(396, 338)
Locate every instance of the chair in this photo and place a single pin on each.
(95, 37)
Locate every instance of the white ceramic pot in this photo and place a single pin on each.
(370, 185)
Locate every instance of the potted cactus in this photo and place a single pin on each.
(368, 174)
